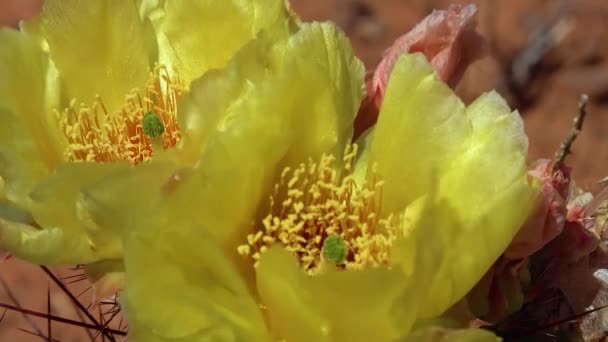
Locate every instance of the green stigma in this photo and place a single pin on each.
(335, 249)
(152, 125)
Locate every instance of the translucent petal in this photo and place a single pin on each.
(49, 246)
(29, 89)
(475, 161)
(251, 109)
(20, 164)
(118, 200)
(335, 306)
(55, 208)
(221, 29)
(364, 143)
(429, 223)
(182, 288)
(265, 110)
(108, 38)
(106, 277)
(328, 90)
(421, 127)
(488, 188)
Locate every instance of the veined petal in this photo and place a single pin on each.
(28, 89)
(429, 223)
(51, 245)
(335, 306)
(286, 295)
(99, 47)
(55, 208)
(364, 143)
(20, 165)
(475, 159)
(118, 200)
(487, 186)
(106, 277)
(252, 111)
(420, 128)
(186, 289)
(329, 90)
(236, 128)
(221, 28)
(245, 122)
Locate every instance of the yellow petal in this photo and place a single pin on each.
(263, 111)
(196, 36)
(49, 246)
(429, 224)
(106, 277)
(28, 89)
(21, 166)
(116, 201)
(475, 161)
(99, 47)
(420, 128)
(364, 143)
(180, 286)
(327, 91)
(72, 238)
(488, 188)
(288, 299)
(252, 110)
(335, 306)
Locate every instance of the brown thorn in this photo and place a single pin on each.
(78, 304)
(103, 338)
(88, 331)
(3, 315)
(15, 301)
(113, 315)
(566, 144)
(82, 278)
(62, 319)
(41, 336)
(84, 291)
(48, 311)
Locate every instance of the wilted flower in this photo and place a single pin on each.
(264, 220)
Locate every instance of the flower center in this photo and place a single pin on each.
(94, 134)
(320, 214)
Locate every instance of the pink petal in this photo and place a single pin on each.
(447, 39)
(548, 219)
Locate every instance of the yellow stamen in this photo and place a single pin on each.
(94, 134)
(315, 201)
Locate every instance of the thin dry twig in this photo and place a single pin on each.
(566, 144)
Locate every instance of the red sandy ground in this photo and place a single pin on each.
(577, 63)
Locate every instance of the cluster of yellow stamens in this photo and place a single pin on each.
(317, 201)
(94, 134)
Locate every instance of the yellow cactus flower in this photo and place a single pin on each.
(284, 230)
(89, 89)
(262, 220)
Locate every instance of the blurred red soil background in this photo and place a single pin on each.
(541, 55)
